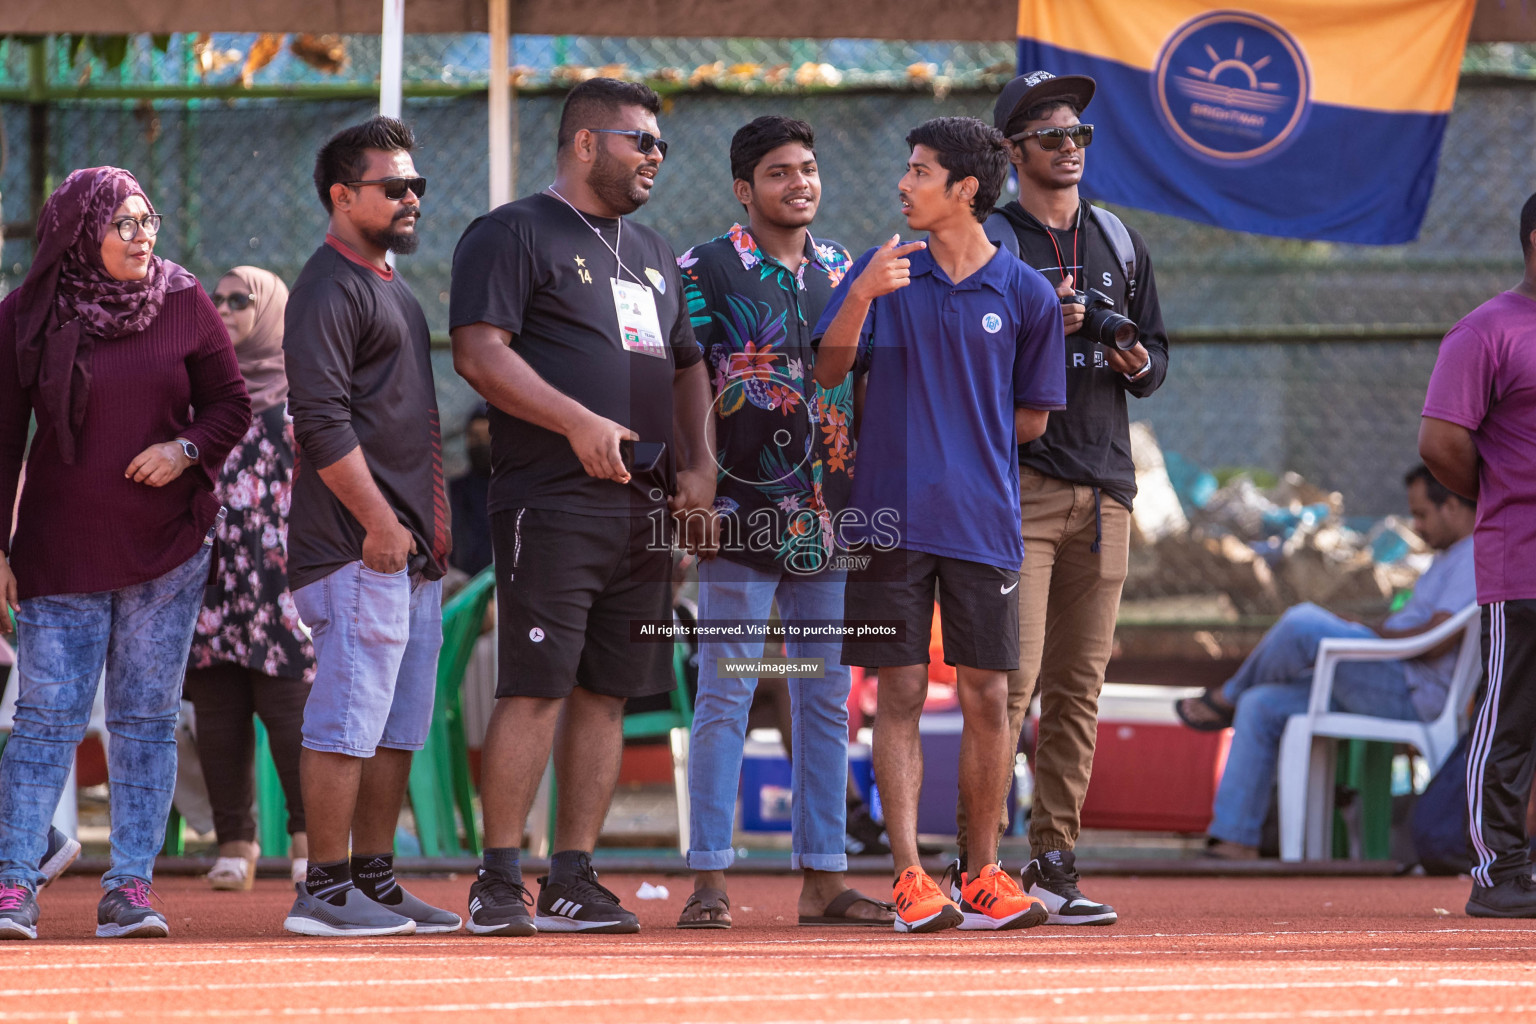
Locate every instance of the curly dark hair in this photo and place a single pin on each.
(343, 158)
(967, 148)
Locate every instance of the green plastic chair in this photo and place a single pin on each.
(675, 723)
(271, 804)
(439, 782)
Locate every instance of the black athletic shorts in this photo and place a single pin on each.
(978, 609)
(568, 587)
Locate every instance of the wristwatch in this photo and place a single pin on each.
(188, 449)
(1141, 372)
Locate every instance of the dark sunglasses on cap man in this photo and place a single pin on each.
(1051, 139)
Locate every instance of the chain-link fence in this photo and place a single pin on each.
(1289, 356)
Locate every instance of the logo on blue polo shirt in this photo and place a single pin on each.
(991, 323)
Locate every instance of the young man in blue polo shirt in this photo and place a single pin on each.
(967, 360)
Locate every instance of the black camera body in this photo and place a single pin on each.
(1101, 324)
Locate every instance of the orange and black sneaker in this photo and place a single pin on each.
(920, 906)
(993, 902)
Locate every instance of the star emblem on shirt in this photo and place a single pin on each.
(579, 261)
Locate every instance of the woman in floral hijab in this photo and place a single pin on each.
(138, 399)
(250, 655)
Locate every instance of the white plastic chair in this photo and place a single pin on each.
(1309, 744)
(66, 817)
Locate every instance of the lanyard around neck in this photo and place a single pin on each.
(611, 248)
(1061, 268)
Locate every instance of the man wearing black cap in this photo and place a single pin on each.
(1077, 480)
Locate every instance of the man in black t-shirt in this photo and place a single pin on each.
(1076, 481)
(368, 540)
(571, 322)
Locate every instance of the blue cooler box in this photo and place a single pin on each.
(765, 779)
(941, 775)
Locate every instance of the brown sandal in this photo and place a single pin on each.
(836, 912)
(706, 908)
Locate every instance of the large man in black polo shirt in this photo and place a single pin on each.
(571, 322)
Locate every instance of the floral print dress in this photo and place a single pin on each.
(248, 616)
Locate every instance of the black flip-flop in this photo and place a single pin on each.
(836, 912)
(1223, 715)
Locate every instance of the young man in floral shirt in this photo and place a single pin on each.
(785, 456)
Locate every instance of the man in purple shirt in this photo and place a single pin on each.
(1478, 436)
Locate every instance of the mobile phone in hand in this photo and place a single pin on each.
(641, 456)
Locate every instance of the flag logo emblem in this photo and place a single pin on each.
(1232, 87)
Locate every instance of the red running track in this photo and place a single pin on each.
(1186, 949)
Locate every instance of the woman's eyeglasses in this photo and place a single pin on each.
(128, 228)
(395, 188)
(1051, 139)
(644, 141)
(237, 301)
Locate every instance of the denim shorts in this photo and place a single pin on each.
(376, 638)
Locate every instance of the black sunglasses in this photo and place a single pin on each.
(1051, 139)
(644, 141)
(395, 188)
(237, 301)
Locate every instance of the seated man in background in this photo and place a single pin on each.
(1275, 681)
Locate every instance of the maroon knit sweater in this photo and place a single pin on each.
(87, 528)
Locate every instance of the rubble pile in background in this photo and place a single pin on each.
(1203, 551)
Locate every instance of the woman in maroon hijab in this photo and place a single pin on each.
(138, 399)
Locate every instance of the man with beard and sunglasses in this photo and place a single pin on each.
(571, 322)
(1077, 480)
(368, 536)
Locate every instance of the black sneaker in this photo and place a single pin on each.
(952, 880)
(61, 853)
(579, 904)
(1513, 897)
(864, 836)
(125, 913)
(18, 911)
(499, 906)
(1052, 879)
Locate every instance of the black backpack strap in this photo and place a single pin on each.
(1119, 240)
(1000, 230)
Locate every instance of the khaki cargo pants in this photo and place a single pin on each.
(1069, 596)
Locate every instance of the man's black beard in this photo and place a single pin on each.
(615, 184)
(401, 243)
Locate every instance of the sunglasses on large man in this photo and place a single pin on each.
(1051, 139)
(395, 188)
(644, 141)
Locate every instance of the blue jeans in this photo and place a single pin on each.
(142, 634)
(729, 592)
(1274, 683)
(377, 637)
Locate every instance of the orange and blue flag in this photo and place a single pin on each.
(1313, 119)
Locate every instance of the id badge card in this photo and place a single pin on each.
(639, 326)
